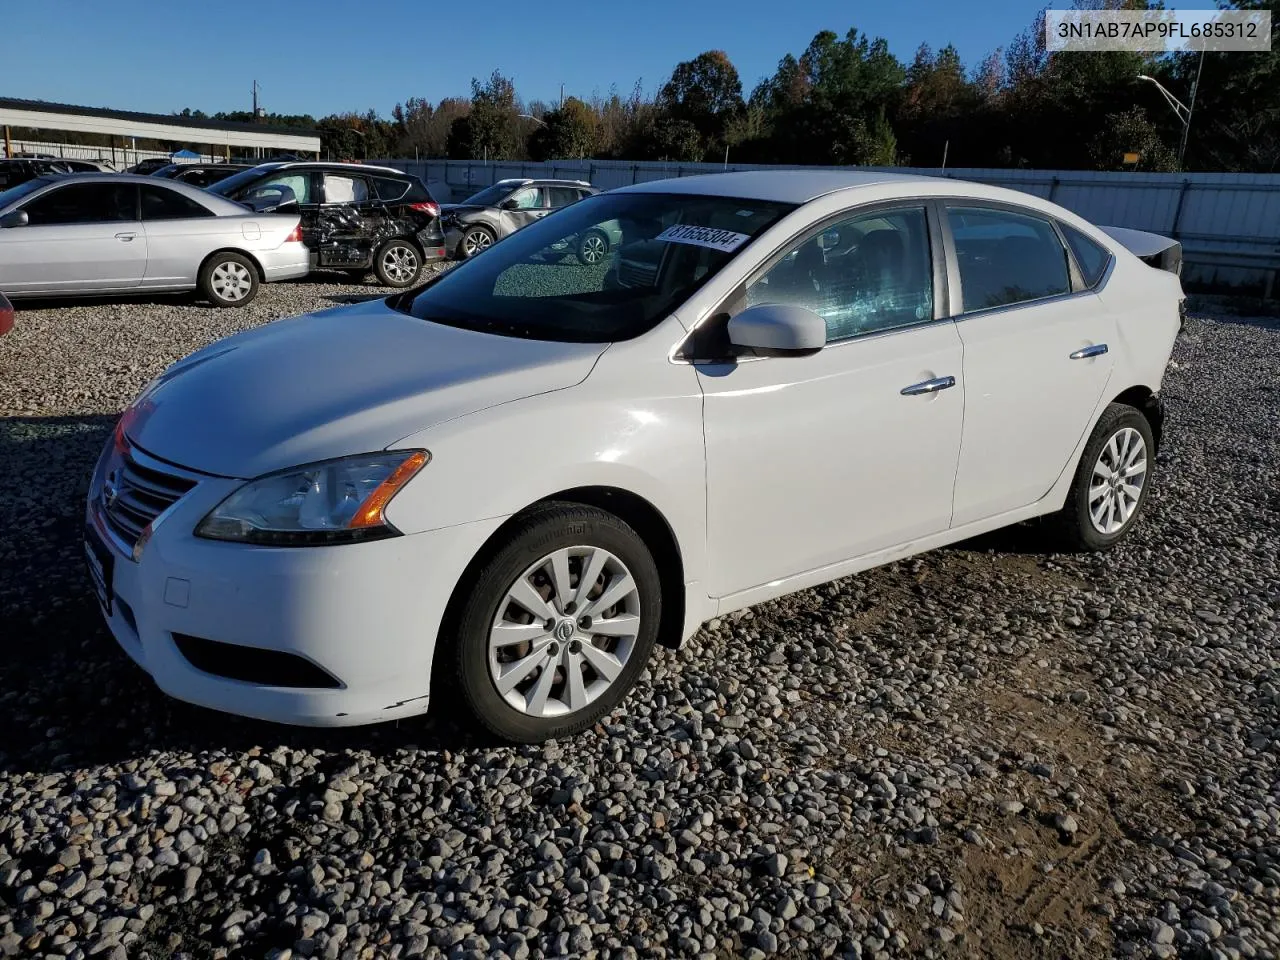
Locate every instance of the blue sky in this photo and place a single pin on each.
(326, 56)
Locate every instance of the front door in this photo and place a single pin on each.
(524, 207)
(283, 190)
(1036, 359)
(80, 238)
(819, 459)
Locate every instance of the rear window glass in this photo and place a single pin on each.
(1006, 257)
(1090, 257)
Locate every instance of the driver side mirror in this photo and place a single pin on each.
(510, 205)
(778, 328)
(15, 218)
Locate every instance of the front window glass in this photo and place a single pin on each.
(489, 196)
(85, 203)
(656, 250)
(530, 198)
(861, 275)
(1006, 257)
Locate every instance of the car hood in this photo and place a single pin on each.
(349, 380)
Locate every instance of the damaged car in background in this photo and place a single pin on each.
(355, 217)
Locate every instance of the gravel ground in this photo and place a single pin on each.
(988, 750)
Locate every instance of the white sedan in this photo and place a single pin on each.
(116, 234)
(509, 484)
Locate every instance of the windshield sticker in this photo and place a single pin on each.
(725, 241)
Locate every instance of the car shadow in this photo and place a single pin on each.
(70, 696)
(1032, 538)
(188, 299)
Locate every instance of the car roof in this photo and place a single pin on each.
(330, 165)
(220, 205)
(782, 186)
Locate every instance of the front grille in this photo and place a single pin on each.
(133, 495)
(269, 668)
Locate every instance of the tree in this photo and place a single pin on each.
(705, 92)
(491, 130)
(569, 133)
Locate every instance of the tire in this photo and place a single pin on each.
(477, 239)
(1097, 490)
(527, 710)
(228, 280)
(593, 247)
(397, 263)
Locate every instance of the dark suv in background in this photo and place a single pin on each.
(503, 208)
(200, 174)
(355, 217)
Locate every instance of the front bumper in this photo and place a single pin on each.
(366, 614)
(289, 261)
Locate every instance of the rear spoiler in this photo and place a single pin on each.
(1151, 248)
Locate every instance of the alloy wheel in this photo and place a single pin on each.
(400, 263)
(593, 248)
(473, 243)
(1115, 488)
(564, 631)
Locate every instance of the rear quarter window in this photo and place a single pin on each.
(388, 189)
(1091, 258)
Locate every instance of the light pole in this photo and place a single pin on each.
(1182, 110)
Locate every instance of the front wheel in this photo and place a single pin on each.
(397, 263)
(475, 240)
(1112, 481)
(558, 625)
(228, 280)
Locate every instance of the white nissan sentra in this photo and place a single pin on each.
(510, 483)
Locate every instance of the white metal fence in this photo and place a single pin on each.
(119, 158)
(1229, 224)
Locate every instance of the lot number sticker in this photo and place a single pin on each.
(726, 241)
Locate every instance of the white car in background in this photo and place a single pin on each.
(109, 233)
(512, 482)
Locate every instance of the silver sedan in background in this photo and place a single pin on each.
(120, 234)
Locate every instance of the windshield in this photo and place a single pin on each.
(14, 194)
(233, 183)
(490, 196)
(604, 269)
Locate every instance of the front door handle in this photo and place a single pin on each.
(1097, 350)
(125, 237)
(929, 386)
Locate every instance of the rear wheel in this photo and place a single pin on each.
(1111, 483)
(558, 625)
(228, 280)
(397, 263)
(593, 247)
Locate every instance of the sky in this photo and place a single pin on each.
(333, 56)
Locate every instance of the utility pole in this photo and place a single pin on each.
(1186, 127)
(560, 105)
(255, 101)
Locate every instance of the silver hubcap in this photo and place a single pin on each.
(1116, 485)
(400, 264)
(475, 242)
(593, 249)
(231, 281)
(564, 631)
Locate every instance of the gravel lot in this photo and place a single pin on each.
(986, 751)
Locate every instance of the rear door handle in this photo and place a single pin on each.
(1097, 350)
(929, 386)
(125, 237)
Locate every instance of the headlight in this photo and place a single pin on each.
(335, 501)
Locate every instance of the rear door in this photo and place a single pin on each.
(350, 216)
(180, 233)
(1036, 356)
(80, 238)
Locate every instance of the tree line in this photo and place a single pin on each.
(848, 100)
